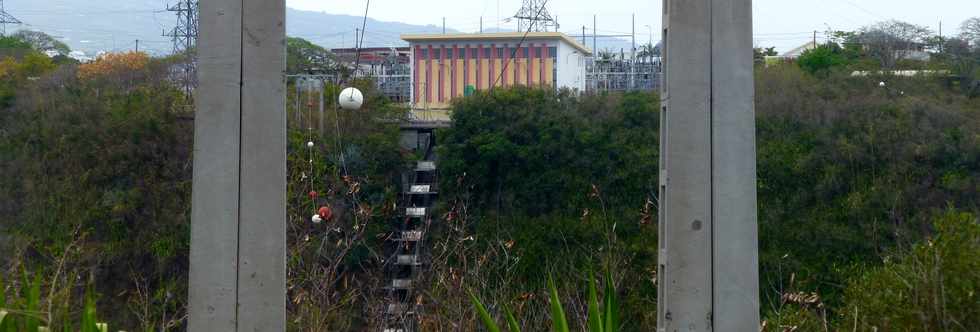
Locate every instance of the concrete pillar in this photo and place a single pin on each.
(708, 237)
(238, 234)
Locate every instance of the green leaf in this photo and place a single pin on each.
(88, 313)
(558, 321)
(33, 304)
(3, 318)
(102, 327)
(611, 305)
(595, 318)
(511, 321)
(3, 298)
(484, 314)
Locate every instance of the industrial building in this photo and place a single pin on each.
(445, 66)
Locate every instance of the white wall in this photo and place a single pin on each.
(571, 67)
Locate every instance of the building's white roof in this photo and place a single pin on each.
(797, 52)
(495, 36)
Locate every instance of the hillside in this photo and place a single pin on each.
(115, 25)
(868, 199)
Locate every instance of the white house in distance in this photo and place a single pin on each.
(445, 66)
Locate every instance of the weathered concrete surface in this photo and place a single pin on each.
(238, 240)
(262, 234)
(213, 286)
(708, 273)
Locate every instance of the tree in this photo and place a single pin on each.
(16, 47)
(970, 31)
(822, 58)
(42, 42)
(648, 51)
(890, 41)
(606, 55)
(302, 56)
(759, 54)
(963, 62)
(931, 288)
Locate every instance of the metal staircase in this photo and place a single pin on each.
(404, 249)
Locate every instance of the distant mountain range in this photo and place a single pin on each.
(115, 25)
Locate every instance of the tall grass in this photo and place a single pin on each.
(23, 313)
(605, 319)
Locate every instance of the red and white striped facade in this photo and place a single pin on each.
(446, 66)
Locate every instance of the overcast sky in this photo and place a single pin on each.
(781, 23)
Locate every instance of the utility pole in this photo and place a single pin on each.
(594, 37)
(137, 45)
(708, 272)
(481, 24)
(238, 212)
(941, 41)
(443, 25)
(633, 55)
(633, 37)
(6, 18)
(814, 38)
(583, 37)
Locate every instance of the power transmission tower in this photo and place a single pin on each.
(184, 37)
(534, 17)
(184, 34)
(5, 19)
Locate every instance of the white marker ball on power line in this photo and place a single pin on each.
(309, 144)
(351, 99)
(316, 219)
(882, 84)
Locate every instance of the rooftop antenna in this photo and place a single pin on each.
(534, 17)
(5, 19)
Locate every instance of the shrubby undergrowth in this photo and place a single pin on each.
(868, 198)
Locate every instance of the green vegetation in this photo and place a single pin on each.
(868, 198)
(822, 58)
(605, 321)
(24, 312)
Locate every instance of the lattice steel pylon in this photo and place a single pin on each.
(184, 37)
(6, 18)
(534, 17)
(184, 34)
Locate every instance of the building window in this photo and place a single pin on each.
(472, 53)
(437, 55)
(500, 52)
(462, 54)
(486, 53)
(425, 54)
(449, 54)
(537, 52)
(553, 52)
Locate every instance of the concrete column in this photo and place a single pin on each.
(708, 239)
(238, 235)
